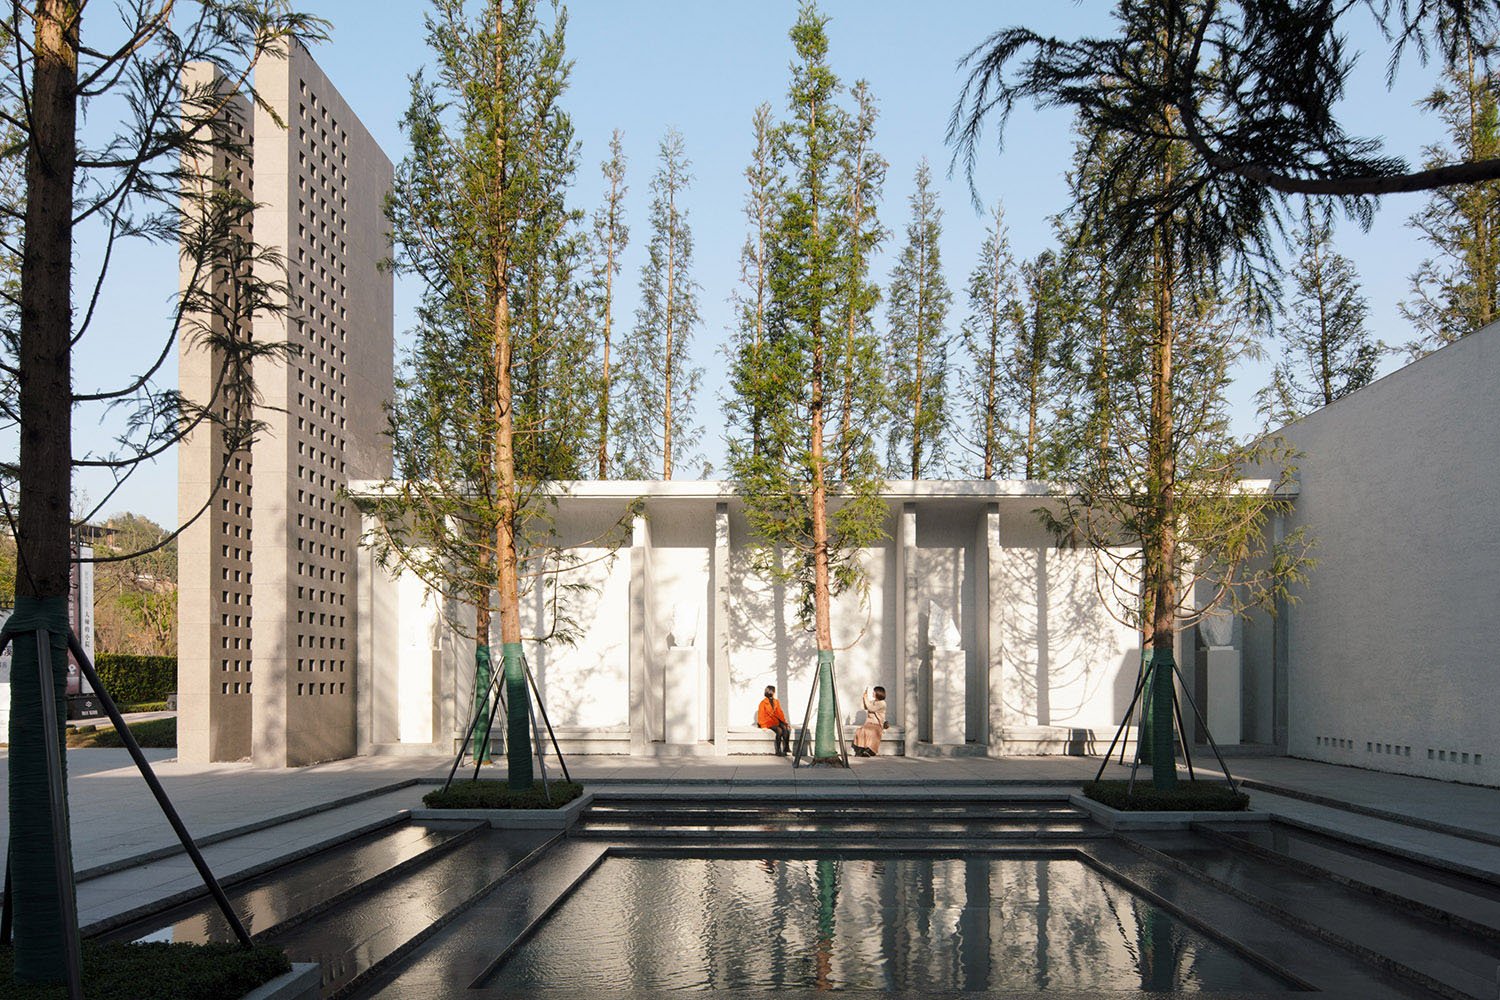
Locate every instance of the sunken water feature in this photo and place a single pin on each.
(929, 924)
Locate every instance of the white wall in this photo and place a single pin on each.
(1393, 643)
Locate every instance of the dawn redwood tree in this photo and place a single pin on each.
(148, 175)
(1457, 290)
(784, 387)
(993, 301)
(1327, 352)
(662, 379)
(488, 411)
(611, 237)
(917, 340)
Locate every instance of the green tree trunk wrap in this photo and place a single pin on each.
(37, 929)
(1163, 754)
(481, 741)
(517, 719)
(826, 742)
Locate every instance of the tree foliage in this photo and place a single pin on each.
(992, 299)
(1250, 90)
(1327, 352)
(1457, 290)
(135, 599)
(493, 403)
(663, 381)
(610, 238)
(810, 524)
(917, 345)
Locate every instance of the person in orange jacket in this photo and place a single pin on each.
(770, 716)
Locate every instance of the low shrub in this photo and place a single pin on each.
(497, 795)
(144, 706)
(131, 679)
(1188, 796)
(156, 734)
(159, 970)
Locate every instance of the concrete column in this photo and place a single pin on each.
(364, 645)
(988, 587)
(907, 630)
(718, 629)
(640, 647)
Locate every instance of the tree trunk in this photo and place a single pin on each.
(43, 553)
(609, 302)
(1161, 549)
(518, 701)
(824, 744)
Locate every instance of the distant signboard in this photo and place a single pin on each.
(81, 616)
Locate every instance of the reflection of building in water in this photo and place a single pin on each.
(908, 924)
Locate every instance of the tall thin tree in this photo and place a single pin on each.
(611, 237)
(993, 300)
(487, 415)
(784, 388)
(917, 348)
(663, 380)
(762, 207)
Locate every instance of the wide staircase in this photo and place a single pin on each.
(359, 906)
(1428, 922)
(835, 819)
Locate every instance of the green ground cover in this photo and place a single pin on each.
(497, 795)
(159, 970)
(1188, 796)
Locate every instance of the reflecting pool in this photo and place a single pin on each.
(830, 923)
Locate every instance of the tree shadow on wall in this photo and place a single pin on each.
(1059, 646)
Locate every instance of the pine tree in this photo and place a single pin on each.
(1326, 350)
(663, 381)
(611, 237)
(784, 387)
(917, 346)
(1457, 291)
(488, 408)
(861, 176)
(993, 301)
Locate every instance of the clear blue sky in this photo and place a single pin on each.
(646, 65)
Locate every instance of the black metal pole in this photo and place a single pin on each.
(838, 722)
(541, 750)
(1182, 735)
(463, 746)
(159, 793)
(5, 911)
(1135, 762)
(489, 725)
(1233, 785)
(1140, 683)
(542, 707)
(802, 736)
(57, 802)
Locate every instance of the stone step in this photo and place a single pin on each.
(1451, 898)
(280, 899)
(846, 833)
(1409, 944)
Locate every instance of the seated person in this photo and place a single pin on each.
(770, 716)
(867, 737)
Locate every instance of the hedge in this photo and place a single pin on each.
(1190, 796)
(158, 970)
(131, 679)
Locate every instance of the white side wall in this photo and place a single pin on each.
(1391, 651)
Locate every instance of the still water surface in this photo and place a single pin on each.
(877, 924)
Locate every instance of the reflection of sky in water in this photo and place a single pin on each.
(920, 923)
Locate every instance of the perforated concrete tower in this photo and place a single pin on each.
(320, 185)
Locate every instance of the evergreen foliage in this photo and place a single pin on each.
(494, 401)
(1327, 351)
(610, 238)
(762, 206)
(917, 348)
(810, 525)
(993, 301)
(132, 679)
(1034, 379)
(663, 381)
(1457, 290)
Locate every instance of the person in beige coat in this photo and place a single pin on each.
(867, 738)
